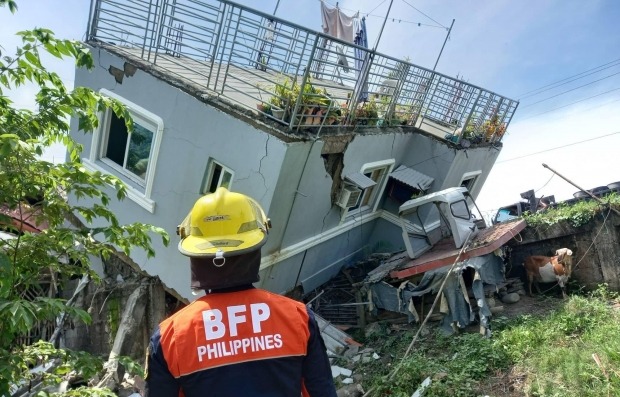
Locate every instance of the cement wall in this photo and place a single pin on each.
(595, 246)
(292, 176)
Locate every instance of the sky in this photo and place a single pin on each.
(559, 58)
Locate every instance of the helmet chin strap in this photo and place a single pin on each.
(219, 255)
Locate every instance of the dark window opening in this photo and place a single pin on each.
(130, 151)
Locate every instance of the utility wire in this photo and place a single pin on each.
(546, 183)
(567, 78)
(572, 103)
(404, 1)
(572, 89)
(558, 147)
(373, 10)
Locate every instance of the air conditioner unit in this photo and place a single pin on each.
(349, 196)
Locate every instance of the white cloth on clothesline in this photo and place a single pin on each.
(337, 24)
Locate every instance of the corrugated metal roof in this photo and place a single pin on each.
(360, 180)
(412, 178)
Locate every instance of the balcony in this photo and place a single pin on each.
(294, 76)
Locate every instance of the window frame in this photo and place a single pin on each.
(463, 205)
(471, 178)
(98, 162)
(376, 191)
(210, 171)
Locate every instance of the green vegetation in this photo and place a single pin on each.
(38, 190)
(576, 215)
(549, 356)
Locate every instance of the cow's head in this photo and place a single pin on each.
(565, 257)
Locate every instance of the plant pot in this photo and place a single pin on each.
(263, 108)
(278, 113)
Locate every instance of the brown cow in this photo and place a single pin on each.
(549, 269)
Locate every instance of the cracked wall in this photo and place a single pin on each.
(193, 134)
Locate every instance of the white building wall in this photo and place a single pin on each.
(193, 132)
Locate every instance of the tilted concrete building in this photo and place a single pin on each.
(223, 95)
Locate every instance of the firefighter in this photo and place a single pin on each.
(236, 340)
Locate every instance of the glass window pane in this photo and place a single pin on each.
(226, 179)
(139, 150)
(460, 209)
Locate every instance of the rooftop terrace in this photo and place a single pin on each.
(293, 75)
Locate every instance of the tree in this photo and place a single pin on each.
(30, 186)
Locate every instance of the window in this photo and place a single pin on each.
(216, 175)
(132, 151)
(377, 172)
(469, 180)
(131, 156)
(460, 209)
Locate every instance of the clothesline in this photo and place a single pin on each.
(383, 16)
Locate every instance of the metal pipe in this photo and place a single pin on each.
(382, 26)
(276, 9)
(94, 24)
(444, 44)
(580, 188)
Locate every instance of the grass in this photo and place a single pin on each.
(553, 355)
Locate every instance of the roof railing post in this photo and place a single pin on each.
(427, 100)
(221, 44)
(300, 97)
(360, 83)
(403, 72)
(160, 29)
(146, 29)
(471, 113)
(93, 19)
(230, 51)
(223, 8)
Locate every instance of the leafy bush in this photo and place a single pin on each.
(39, 188)
(576, 215)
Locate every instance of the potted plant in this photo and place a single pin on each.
(366, 113)
(493, 129)
(262, 106)
(282, 99)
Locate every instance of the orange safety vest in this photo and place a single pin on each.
(221, 329)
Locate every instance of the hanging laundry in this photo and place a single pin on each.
(337, 24)
(361, 39)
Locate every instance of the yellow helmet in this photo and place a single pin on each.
(223, 224)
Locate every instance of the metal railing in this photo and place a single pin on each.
(293, 75)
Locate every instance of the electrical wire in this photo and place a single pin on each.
(567, 78)
(373, 10)
(594, 239)
(546, 183)
(572, 103)
(572, 89)
(406, 2)
(558, 147)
